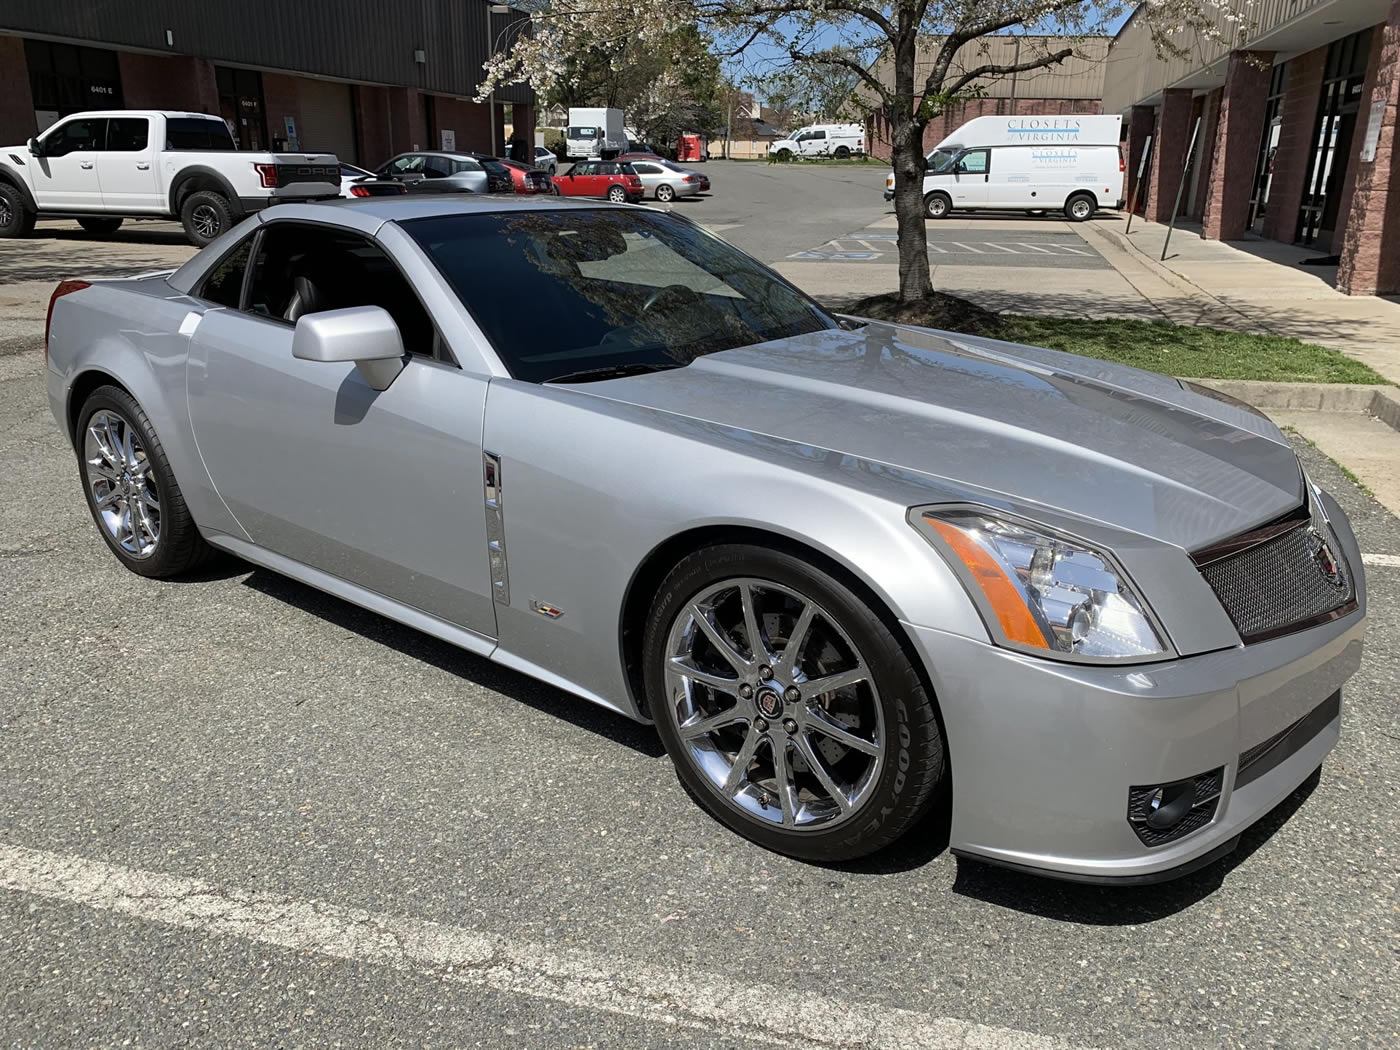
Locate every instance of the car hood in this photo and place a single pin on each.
(1013, 424)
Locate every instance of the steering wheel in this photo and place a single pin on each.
(679, 292)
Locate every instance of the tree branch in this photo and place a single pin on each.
(1020, 67)
(836, 59)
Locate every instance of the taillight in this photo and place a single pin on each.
(1121, 169)
(692, 178)
(359, 191)
(268, 174)
(64, 287)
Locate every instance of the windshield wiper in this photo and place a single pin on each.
(612, 372)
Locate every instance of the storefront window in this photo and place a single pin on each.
(1343, 83)
(1268, 148)
(64, 78)
(241, 105)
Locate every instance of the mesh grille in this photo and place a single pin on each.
(1282, 584)
(1205, 799)
(1193, 821)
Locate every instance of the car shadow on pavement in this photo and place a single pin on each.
(478, 670)
(167, 234)
(1125, 905)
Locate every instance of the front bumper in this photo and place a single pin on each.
(1043, 754)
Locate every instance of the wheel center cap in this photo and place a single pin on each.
(769, 704)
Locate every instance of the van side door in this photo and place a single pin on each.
(971, 175)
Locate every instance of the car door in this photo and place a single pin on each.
(379, 488)
(125, 170)
(970, 174)
(652, 175)
(408, 169)
(65, 172)
(581, 180)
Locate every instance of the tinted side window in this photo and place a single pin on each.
(77, 136)
(224, 283)
(128, 134)
(646, 169)
(304, 269)
(437, 167)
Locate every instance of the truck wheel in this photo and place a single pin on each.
(205, 214)
(842, 152)
(16, 217)
(937, 205)
(1080, 207)
(784, 155)
(101, 227)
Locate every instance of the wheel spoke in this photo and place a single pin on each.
(101, 432)
(740, 769)
(704, 726)
(102, 471)
(819, 721)
(718, 640)
(804, 746)
(113, 497)
(129, 445)
(714, 681)
(788, 661)
(782, 782)
(135, 524)
(148, 501)
(832, 682)
(757, 646)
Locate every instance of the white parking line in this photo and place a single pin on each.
(936, 248)
(1384, 561)
(869, 246)
(1067, 248)
(1013, 251)
(969, 247)
(1032, 247)
(671, 996)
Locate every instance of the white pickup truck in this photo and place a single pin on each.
(102, 167)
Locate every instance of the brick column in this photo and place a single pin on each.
(1140, 125)
(16, 103)
(1199, 194)
(1168, 152)
(1370, 255)
(1235, 145)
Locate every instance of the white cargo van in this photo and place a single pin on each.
(1065, 164)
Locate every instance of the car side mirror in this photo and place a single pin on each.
(34, 149)
(364, 335)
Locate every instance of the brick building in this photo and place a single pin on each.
(1295, 131)
(351, 77)
(1073, 86)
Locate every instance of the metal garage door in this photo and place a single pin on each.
(327, 123)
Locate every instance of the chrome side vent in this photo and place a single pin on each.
(495, 527)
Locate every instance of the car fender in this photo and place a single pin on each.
(201, 175)
(582, 515)
(140, 342)
(10, 173)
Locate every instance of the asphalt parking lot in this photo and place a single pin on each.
(239, 812)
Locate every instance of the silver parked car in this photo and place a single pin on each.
(439, 172)
(664, 181)
(546, 160)
(850, 570)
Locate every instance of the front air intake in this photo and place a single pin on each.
(1162, 813)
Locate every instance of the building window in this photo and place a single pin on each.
(67, 79)
(1342, 85)
(241, 105)
(1268, 148)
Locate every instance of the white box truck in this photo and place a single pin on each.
(595, 133)
(1064, 164)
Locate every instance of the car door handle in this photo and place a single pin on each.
(85, 164)
(141, 165)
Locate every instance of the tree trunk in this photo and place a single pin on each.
(907, 134)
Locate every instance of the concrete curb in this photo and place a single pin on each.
(1383, 402)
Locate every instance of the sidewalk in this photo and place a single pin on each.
(1257, 285)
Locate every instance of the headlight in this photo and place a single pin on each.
(1042, 592)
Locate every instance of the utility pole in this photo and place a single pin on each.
(729, 124)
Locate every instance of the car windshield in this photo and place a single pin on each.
(624, 290)
(583, 133)
(197, 133)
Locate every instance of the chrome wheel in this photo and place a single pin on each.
(205, 221)
(664, 193)
(1080, 208)
(121, 484)
(774, 705)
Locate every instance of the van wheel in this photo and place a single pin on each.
(16, 217)
(937, 205)
(101, 227)
(1080, 207)
(205, 215)
(842, 152)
